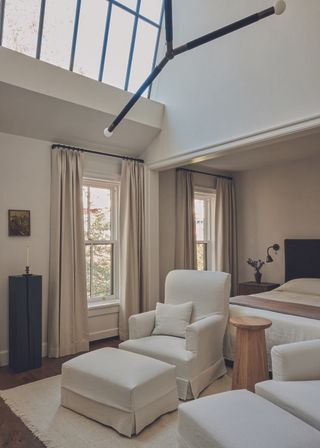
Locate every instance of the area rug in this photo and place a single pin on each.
(38, 406)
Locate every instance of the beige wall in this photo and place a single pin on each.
(25, 184)
(275, 203)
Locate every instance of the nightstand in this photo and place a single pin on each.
(247, 288)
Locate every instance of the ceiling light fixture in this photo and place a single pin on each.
(277, 9)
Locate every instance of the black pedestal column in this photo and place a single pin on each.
(25, 328)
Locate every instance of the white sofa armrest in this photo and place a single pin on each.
(205, 337)
(141, 325)
(297, 361)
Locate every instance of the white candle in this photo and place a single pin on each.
(28, 256)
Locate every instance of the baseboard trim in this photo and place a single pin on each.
(103, 334)
(4, 355)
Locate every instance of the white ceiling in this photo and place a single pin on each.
(294, 148)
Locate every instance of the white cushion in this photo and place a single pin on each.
(168, 349)
(297, 361)
(300, 398)
(241, 419)
(172, 320)
(209, 291)
(302, 285)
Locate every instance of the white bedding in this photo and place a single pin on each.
(284, 329)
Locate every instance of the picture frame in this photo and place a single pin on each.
(19, 223)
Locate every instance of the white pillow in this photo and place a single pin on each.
(172, 320)
(302, 286)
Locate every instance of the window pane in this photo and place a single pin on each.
(200, 219)
(90, 37)
(58, 31)
(151, 9)
(20, 28)
(100, 214)
(132, 4)
(201, 256)
(143, 54)
(88, 271)
(118, 49)
(101, 271)
(85, 199)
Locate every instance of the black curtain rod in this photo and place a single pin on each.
(206, 174)
(75, 148)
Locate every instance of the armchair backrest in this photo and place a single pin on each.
(209, 291)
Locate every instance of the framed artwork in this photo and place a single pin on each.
(19, 222)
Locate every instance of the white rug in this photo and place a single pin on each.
(38, 406)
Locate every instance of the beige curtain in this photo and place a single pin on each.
(225, 230)
(132, 244)
(68, 309)
(185, 247)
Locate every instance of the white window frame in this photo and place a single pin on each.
(114, 240)
(209, 195)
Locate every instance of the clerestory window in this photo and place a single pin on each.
(113, 41)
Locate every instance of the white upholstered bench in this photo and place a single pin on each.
(120, 389)
(241, 419)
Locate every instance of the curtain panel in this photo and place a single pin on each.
(68, 308)
(185, 240)
(225, 230)
(133, 269)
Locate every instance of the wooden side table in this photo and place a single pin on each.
(250, 363)
(247, 288)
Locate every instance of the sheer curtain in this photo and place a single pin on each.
(185, 240)
(68, 309)
(132, 244)
(225, 230)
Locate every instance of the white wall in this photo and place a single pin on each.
(25, 184)
(263, 76)
(275, 203)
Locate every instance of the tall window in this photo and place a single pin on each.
(204, 215)
(100, 213)
(114, 41)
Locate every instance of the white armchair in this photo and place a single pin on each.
(198, 358)
(296, 380)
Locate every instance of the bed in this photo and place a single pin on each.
(294, 307)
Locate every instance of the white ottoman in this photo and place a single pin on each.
(120, 389)
(241, 419)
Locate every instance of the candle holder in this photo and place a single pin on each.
(27, 271)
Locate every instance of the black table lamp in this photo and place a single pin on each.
(275, 247)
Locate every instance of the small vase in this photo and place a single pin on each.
(258, 276)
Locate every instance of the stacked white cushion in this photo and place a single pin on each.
(241, 419)
(172, 320)
(121, 389)
(301, 398)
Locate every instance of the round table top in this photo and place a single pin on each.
(251, 322)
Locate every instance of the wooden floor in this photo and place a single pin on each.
(13, 433)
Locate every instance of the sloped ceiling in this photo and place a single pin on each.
(44, 102)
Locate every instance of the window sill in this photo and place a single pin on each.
(103, 304)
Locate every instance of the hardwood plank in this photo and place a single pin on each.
(13, 433)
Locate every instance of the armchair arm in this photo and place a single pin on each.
(296, 361)
(141, 325)
(205, 337)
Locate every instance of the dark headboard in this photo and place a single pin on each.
(302, 259)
